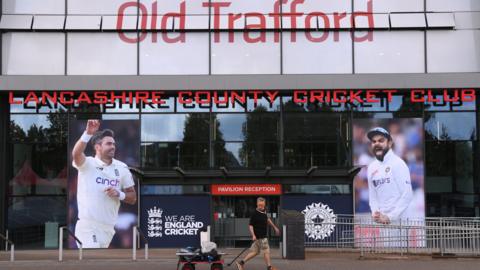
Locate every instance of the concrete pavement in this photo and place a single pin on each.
(161, 259)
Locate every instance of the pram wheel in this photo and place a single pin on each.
(216, 266)
(188, 266)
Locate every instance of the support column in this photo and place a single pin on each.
(4, 127)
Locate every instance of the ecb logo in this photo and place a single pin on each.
(155, 222)
(319, 221)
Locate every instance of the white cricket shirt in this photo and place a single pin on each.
(94, 176)
(390, 188)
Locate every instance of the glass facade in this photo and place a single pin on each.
(283, 135)
(79, 37)
(38, 168)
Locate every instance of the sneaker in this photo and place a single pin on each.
(239, 266)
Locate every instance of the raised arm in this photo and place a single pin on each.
(78, 155)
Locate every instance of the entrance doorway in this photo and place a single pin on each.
(232, 215)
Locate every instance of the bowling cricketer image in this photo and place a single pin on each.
(104, 183)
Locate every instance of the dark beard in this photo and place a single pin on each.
(384, 152)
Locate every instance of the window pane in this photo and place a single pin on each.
(391, 52)
(169, 106)
(119, 107)
(305, 127)
(262, 127)
(32, 128)
(439, 170)
(229, 127)
(438, 103)
(33, 54)
(241, 57)
(193, 102)
(390, 5)
(106, 7)
(175, 127)
(448, 178)
(464, 167)
(173, 189)
(248, 155)
(263, 104)
(403, 103)
(28, 218)
(163, 58)
(305, 155)
(446, 127)
(33, 6)
(318, 189)
(39, 169)
(168, 155)
(304, 56)
(252, 127)
(453, 51)
(228, 155)
(100, 54)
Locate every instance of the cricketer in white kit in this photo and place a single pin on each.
(103, 183)
(389, 184)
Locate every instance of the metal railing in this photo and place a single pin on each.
(60, 244)
(12, 246)
(136, 232)
(442, 236)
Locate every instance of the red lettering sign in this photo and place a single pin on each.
(247, 189)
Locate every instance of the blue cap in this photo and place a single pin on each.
(378, 131)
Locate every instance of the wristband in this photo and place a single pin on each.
(121, 195)
(85, 137)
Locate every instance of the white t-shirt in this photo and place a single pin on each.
(390, 187)
(94, 176)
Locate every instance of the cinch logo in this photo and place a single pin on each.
(107, 182)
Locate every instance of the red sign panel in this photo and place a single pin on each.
(247, 189)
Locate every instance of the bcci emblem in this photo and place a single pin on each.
(319, 221)
(155, 222)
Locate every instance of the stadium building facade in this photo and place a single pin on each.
(258, 104)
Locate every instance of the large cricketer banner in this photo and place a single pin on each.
(389, 189)
(324, 214)
(172, 221)
(127, 149)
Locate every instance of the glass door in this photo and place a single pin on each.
(232, 216)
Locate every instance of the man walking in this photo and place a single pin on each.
(259, 222)
(103, 182)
